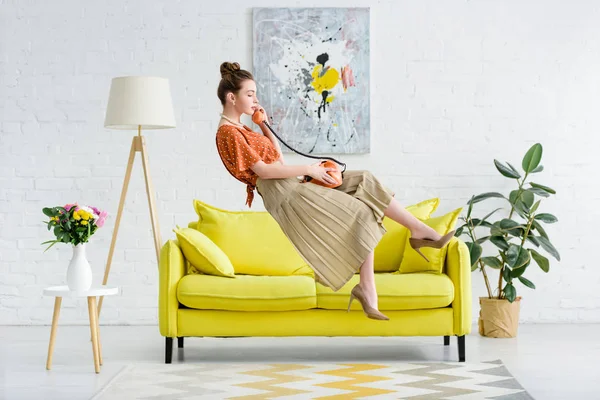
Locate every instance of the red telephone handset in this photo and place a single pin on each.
(259, 117)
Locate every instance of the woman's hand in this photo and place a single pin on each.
(319, 173)
(259, 108)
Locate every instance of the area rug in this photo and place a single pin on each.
(415, 381)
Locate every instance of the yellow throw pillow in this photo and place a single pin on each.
(203, 255)
(389, 250)
(414, 262)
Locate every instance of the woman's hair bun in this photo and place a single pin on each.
(228, 68)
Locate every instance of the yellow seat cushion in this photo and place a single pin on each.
(247, 293)
(414, 262)
(252, 240)
(202, 254)
(395, 292)
(389, 250)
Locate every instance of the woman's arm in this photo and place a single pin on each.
(273, 139)
(281, 171)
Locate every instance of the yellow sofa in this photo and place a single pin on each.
(274, 292)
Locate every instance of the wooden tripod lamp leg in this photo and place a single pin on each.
(150, 192)
(132, 152)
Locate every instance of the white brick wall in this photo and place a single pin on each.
(455, 84)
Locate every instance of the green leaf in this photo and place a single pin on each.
(533, 240)
(459, 231)
(475, 251)
(539, 168)
(486, 217)
(527, 198)
(492, 262)
(545, 188)
(470, 203)
(506, 171)
(53, 243)
(49, 212)
(515, 273)
(532, 158)
(538, 192)
(527, 282)
(549, 247)
(482, 239)
(547, 218)
(477, 222)
(514, 169)
(483, 196)
(506, 274)
(535, 206)
(537, 226)
(540, 260)
(510, 292)
(511, 227)
(500, 242)
(516, 256)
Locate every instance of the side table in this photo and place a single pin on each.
(63, 291)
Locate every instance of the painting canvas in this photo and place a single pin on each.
(311, 67)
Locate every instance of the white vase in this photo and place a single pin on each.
(79, 273)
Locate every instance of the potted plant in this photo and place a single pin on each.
(75, 225)
(515, 242)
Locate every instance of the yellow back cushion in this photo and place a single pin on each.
(203, 254)
(414, 262)
(389, 250)
(252, 240)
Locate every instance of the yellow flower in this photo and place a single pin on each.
(84, 223)
(85, 215)
(76, 215)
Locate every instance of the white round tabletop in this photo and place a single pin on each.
(95, 290)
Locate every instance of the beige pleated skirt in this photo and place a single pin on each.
(333, 230)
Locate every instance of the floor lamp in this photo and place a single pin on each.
(137, 102)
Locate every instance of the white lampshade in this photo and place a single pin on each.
(139, 101)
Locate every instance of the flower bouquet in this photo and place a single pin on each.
(75, 224)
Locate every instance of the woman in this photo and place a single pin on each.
(334, 230)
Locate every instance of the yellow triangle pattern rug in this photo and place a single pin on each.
(415, 381)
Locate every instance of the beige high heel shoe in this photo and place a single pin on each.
(438, 244)
(371, 312)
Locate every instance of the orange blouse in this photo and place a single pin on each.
(239, 149)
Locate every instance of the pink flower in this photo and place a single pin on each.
(69, 206)
(96, 211)
(101, 219)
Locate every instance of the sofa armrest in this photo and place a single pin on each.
(458, 268)
(171, 269)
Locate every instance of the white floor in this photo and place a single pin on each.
(550, 361)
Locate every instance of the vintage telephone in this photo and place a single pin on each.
(259, 117)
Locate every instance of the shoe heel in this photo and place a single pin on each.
(419, 251)
(350, 302)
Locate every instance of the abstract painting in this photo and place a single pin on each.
(311, 67)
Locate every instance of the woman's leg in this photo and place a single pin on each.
(418, 229)
(367, 279)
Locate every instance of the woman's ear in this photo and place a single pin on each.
(231, 98)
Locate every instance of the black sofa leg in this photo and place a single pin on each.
(168, 350)
(180, 342)
(446, 340)
(461, 348)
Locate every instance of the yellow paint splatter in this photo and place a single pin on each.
(327, 81)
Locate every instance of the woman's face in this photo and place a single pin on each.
(246, 101)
